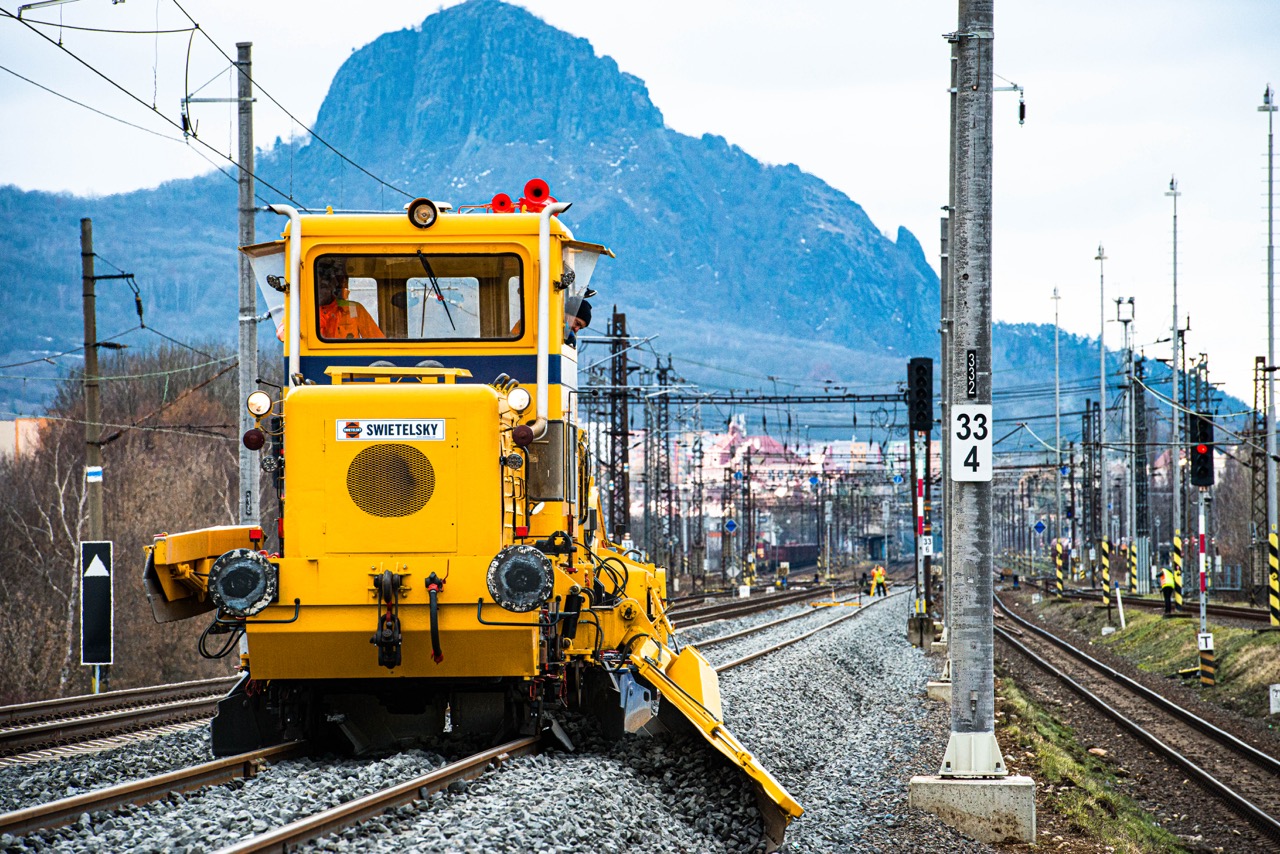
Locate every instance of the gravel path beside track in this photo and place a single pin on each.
(842, 721)
(28, 785)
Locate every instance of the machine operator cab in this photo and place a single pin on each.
(461, 285)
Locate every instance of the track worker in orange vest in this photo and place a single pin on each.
(877, 578)
(339, 316)
(1166, 587)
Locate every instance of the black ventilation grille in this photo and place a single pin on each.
(391, 480)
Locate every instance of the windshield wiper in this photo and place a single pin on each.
(435, 286)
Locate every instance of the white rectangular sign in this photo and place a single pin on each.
(971, 443)
(1275, 699)
(1205, 641)
(926, 545)
(388, 429)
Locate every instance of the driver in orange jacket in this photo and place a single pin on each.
(340, 317)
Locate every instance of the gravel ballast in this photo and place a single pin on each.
(27, 785)
(218, 816)
(839, 719)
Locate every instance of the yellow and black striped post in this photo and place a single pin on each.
(1177, 569)
(1106, 572)
(1133, 569)
(1057, 563)
(1273, 553)
(1208, 670)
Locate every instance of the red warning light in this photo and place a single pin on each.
(522, 531)
(1202, 449)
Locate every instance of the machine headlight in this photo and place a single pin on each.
(518, 399)
(243, 582)
(258, 403)
(520, 578)
(422, 212)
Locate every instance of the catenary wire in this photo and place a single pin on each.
(257, 178)
(105, 115)
(258, 86)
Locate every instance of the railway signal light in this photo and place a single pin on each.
(1201, 434)
(920, 394)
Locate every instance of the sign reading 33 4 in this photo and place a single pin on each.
(971, 443)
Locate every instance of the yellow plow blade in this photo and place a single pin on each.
(688, 682)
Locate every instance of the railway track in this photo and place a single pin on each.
(697, 615)
(70, 720)
(1244, 778)
(1190, 608)
(288, 837)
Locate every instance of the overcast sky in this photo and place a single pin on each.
(1120, 96)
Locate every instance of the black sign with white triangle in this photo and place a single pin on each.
(97, 621)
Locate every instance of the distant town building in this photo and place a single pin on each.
(20, 437)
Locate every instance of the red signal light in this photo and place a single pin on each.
(1202, 449)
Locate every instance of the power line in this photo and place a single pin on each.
(285, 110)
(142, 376)
(180, 343)
(90, 109)
(61, 26)
(194, 431)
(108, 79)
(50, 359)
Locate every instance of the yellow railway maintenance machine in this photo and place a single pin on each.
(439, 550)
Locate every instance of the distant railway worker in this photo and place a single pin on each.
(863, 583)
(1166, 587)
(339, 316)
(577, 317)
(877, 578)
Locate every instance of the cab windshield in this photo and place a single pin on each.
(418, 297)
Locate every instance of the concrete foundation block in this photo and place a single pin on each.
(940, 691)
(938, 648)
(920, 631)
(994, 810)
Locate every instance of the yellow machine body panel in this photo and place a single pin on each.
(190, 554)
(398, 476)
(409, 481)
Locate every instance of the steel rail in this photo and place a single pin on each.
(290, 836)
(1239, 612)
(1247, 810)
(737, 662)
(67, 810)
(11, 716)
(751, 630)
(285, 838)
(70, 730)
(694, 611)
(738, 608)
(1219, 735)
